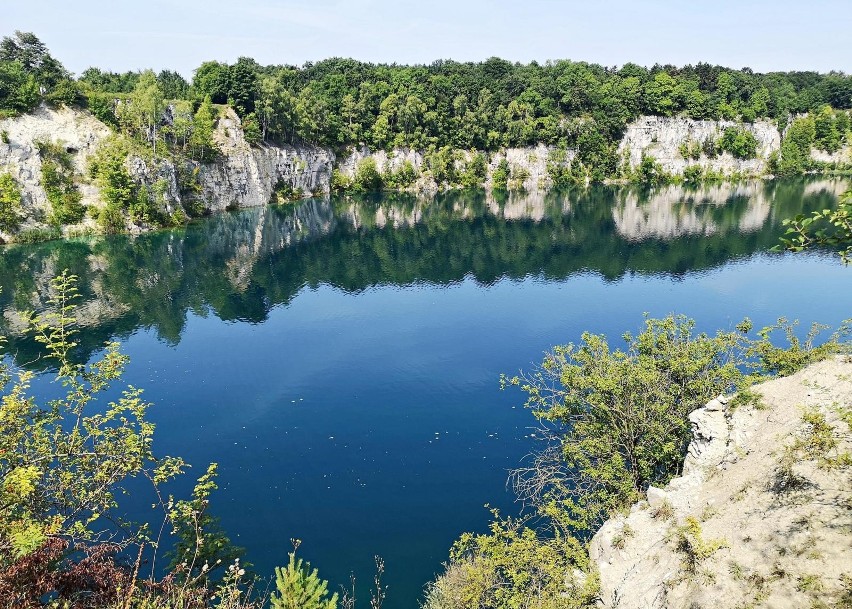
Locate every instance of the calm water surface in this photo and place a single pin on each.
(340, 360)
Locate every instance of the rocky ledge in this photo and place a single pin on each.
(762, 515)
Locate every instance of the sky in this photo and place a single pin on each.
(764, 35)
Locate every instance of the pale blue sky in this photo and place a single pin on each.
(179, 34)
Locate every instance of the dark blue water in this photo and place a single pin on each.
(344, 371)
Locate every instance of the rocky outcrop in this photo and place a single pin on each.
(661, 137)
(760, 514)
(527, 166)
(245, 175)
(79, 132)
(242, 176)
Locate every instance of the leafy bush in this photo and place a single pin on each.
(796, 147)
(692, 173)
(404, 177)
(57, 176)
(690, 149)
(475, 172)
(367, 177)
(10, 203)
(741, 143)
(560, 170)
(784, 361)
(339, 181)
(500, 175)
(620, 417)
(651, 173)
(511, 565)
(691, 543)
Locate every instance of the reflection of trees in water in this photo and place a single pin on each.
(239, 265)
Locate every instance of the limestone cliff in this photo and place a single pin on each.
(661, 137)
(527, 165)
(246, 175)
(79, 132)
(242, 176)
(760, 516)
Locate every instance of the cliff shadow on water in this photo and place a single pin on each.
(239, 265)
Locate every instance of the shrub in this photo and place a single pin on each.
(109, 170)
(690, 541)
(37, 235)
(559, 169)
(796, 147)
(10, 203)
(741, 143)
(57, 176)
(622, 414)
(500, 175)
(651, 173)
(511, 565)
(475, 172)
(692, 173)
(339, 181)
(367, 177)
(300, 588)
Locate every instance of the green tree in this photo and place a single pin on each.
(57, 177)
(741, 143)
(297, 587)
(148, 105)
(19, 91)
(620, 416)
(204, 123)
(796, 147)
(212, 79)
(33, 56)
(10, 203)
(64, 465)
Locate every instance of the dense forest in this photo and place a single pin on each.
(484, 106)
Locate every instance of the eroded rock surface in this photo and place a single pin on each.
(751, 522)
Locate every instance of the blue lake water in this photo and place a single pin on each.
(340, 359)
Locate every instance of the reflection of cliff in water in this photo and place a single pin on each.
(675, 211)
(239, 265)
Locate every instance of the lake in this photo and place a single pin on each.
(340, 358)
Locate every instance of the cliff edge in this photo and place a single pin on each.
(762, 515)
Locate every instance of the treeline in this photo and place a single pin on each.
(484, 106)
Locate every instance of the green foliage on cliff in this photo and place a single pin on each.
(10, 203)
(511, 565)
(740, 142)
(57, 176)
(796, 147)
(623, 412)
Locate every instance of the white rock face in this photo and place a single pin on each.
(78, 131)
(773, 539)
(530, 160)
(661, 138)
(246, 175)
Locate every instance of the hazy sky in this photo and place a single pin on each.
(180, 34)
